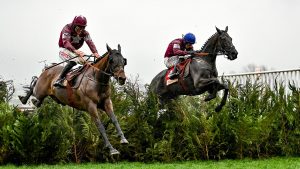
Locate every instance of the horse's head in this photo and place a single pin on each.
(116, 64)
(224, 44)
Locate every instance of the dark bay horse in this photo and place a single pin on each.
(202, 72)
(92, 93)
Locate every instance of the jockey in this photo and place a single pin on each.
(178, 47)
(71, 38)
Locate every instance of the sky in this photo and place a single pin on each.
(264, 32)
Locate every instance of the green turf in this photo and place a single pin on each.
(272, 163)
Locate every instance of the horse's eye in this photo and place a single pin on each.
(125, 61)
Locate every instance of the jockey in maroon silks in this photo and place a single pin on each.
(71, 39)
(178, 47)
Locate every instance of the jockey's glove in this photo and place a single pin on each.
(192, 52)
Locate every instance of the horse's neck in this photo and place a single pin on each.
(102, 64)
(210, 47)
(101, 75)
(98, 69)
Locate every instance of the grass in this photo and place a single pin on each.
(272, 163)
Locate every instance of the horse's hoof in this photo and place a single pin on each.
(114, 152)
(21, 98)
(124, 141)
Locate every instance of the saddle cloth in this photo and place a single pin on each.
(184, 68)
(71, 77)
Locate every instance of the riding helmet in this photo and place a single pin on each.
(80, 21)
(189, 38)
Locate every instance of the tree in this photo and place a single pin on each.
(6, 90)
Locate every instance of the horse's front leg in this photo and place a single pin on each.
(213, 86)
(109, 111)
(94, 114)
(212, 93)
(208, 84)
(224, 98)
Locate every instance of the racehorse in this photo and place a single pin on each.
(92, 91)
(202, 75)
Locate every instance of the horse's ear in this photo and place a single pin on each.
(226, 29)
(108, 48)
(119, 48)
(218, 30)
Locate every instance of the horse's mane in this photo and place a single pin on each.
(98, 59)
(207, 41)
(104, 54)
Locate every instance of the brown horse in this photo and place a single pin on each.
(92, 91)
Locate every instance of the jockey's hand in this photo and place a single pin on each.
(82, 60)
(96, 55)
(79, 53)
(81, 56)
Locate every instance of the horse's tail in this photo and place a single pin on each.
(28, 90)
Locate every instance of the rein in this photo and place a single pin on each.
(221, 50)
(109, 74)
(104, 72)
(108, 71)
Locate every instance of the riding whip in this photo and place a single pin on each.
(60, 63)
(66, 61)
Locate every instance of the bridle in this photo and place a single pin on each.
(220, 49)
(110, 71)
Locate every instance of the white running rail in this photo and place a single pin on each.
(266, 77)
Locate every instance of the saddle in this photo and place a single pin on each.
(184, 70)
(71, 77)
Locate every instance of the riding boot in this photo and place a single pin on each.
(175, 72)
(67, 68)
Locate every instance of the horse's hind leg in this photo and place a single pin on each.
(37, 102)
(164, 100)
(40, 94)
(24, 99)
